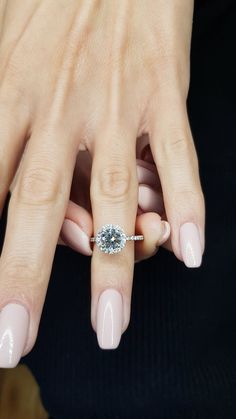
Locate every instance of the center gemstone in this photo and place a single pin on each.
(111, 238)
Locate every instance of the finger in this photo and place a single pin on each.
(147, 174)
(60, 242)
(36, 211)
(155, 231)
(13, 137)
(150, 197)
(114, 189)
(150, 200)
(77, 229)
(177, 164)
(167, 244)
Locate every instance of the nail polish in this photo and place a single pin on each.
(109, 319)
(75, 237)
(166, 231)
(190, 245)
(14, 323)
(150, 200)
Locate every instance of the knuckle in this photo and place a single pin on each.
(38, 186)
(176, 149)
(114, 183)
(176, 144)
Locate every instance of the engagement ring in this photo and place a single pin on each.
(112, 239)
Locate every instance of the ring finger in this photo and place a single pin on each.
(114, 200)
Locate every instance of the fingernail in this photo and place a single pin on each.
(166, 231)
(14, 323)
(109, 319)
(146, 177)
(190, 245)
(75, 237)
(150, 200)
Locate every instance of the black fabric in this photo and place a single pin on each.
(177, 358)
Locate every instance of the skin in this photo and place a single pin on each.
(150, 212)
(90, 75)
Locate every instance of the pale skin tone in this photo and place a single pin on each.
(150, 211)
(92, 75)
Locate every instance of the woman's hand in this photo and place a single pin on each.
(78, 224)
(90, 75)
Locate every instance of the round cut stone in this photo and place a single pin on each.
(111, 238)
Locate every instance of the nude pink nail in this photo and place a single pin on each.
(75, 237)
(146, 177)
(109, 319)
(190, 245)
(14, 323)
(150, 200)
(166, 231)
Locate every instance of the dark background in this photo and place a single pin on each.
(177, 358)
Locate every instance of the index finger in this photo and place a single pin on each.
(35, 215)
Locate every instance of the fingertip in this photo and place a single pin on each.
(165, 233)
(150, 200)
(149, 225)
(75, 237)
(80, 216)
(76, 229)
(14, 329)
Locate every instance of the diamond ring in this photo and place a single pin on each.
(111, 238)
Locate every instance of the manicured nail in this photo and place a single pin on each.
(109, 319)
(146, 177)
(14, 323)
(166, 231)
(75, 237)
(150, 200)
(190, 245)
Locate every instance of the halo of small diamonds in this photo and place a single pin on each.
(111, 238)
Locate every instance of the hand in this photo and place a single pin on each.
(77, 227)
(78, 224)
(106, 74)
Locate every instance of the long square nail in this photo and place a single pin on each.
(190, 245)
(109, 319)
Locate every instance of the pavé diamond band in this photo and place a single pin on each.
(111, 238)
